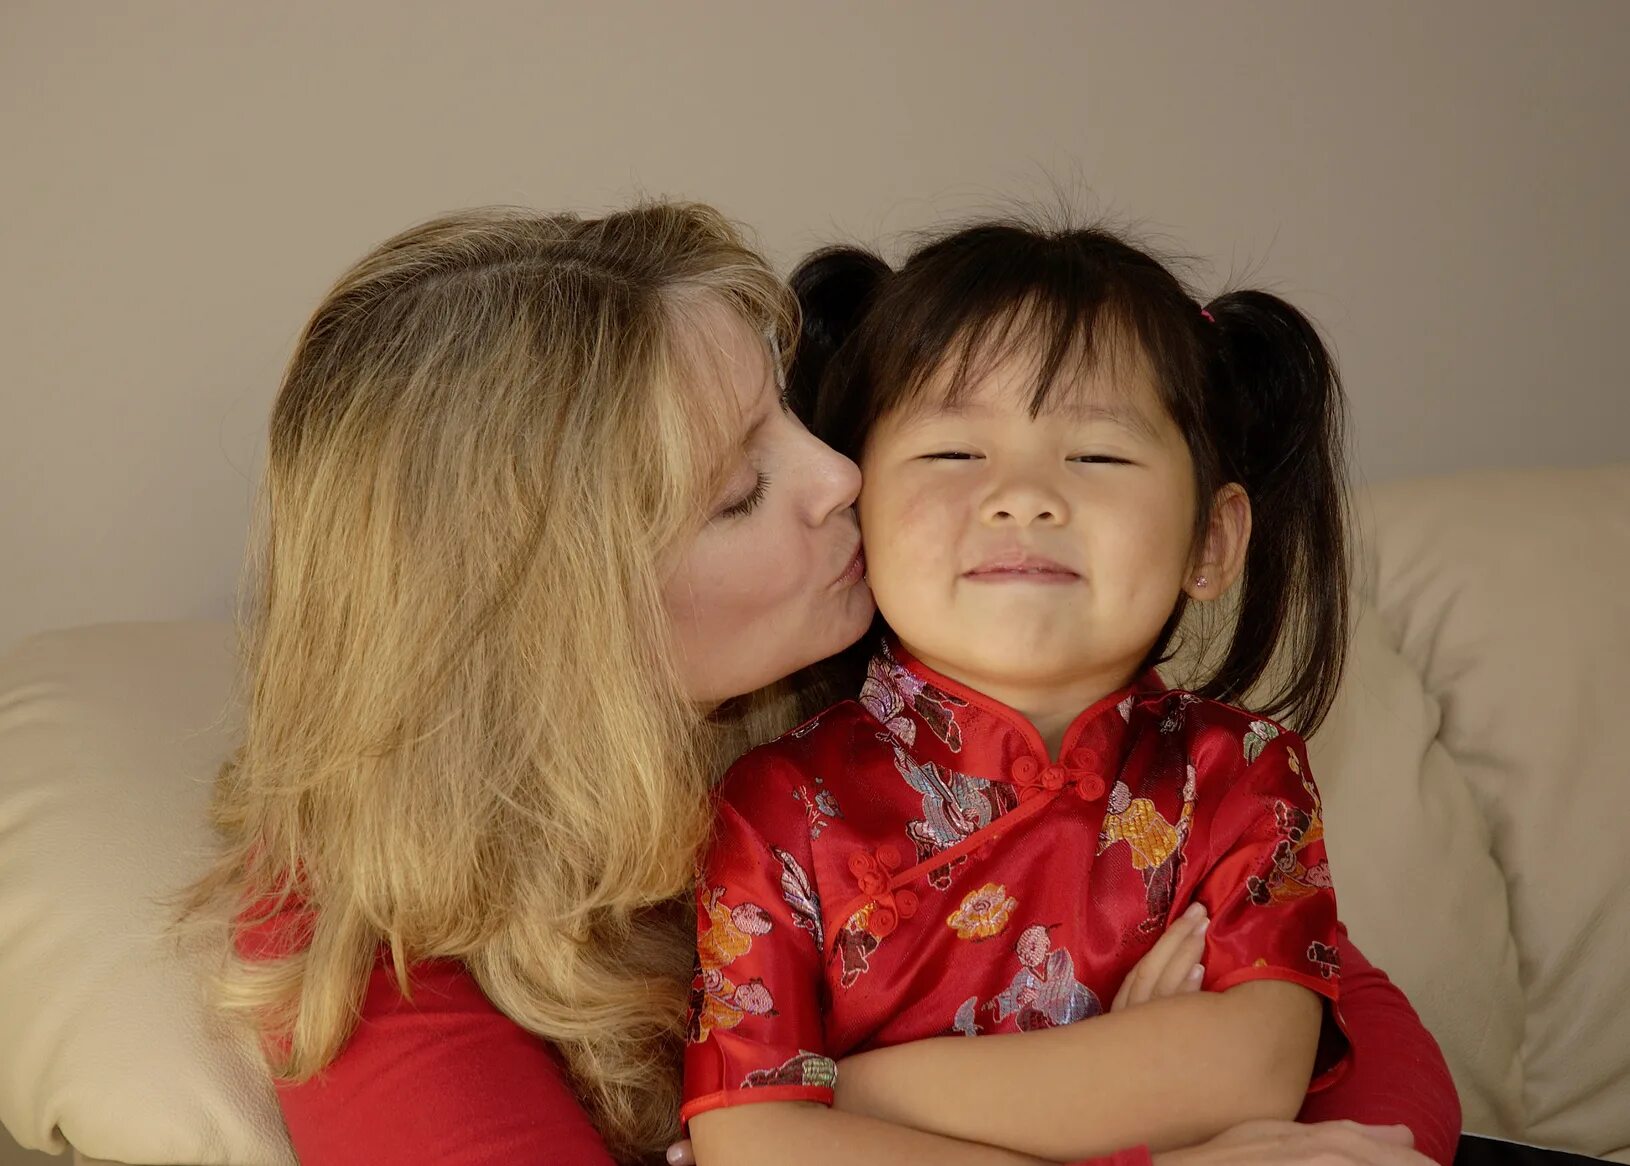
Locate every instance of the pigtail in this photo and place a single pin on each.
(834, 286)
(1280, 435)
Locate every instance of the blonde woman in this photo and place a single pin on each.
(539, 535)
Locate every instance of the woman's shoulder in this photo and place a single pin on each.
(438, 1074)
(430, 1072)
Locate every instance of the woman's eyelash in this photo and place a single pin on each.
(750, 501)
(1101, 459)
(951, 455)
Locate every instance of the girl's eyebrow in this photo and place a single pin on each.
(1120, 413)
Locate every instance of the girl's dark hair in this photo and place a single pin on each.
(1247, 380)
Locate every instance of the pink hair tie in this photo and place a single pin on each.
(1210, 319)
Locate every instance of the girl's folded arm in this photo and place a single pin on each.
(1169, 1073)
(801, 1133)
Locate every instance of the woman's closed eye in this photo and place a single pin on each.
(951, 455)
(1100, 459)
(749, 501)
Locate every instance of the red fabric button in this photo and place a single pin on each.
(1054, 777)
(1024, 770)
(860, 864)
(882, 921)
(906, 903)
(1090, 787)
(889, 856)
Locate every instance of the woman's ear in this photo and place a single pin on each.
(1222, 556)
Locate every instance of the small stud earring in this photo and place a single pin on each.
(1200, 581)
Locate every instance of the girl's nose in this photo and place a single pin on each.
(1024, 504)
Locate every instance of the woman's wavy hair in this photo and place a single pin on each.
(465, 737)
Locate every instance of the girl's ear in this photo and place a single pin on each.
(1222, 556)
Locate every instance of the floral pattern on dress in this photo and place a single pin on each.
(800, 895)
(805, 1068)
(1044, 993)
(1257, 736)
(1289, 878)
(854, 947)
(716, 1002)
(984, 913)
(1325, 957)
(1156, 845)
(954, 807)
(890, 691)
(1176, 710)
(820, 808)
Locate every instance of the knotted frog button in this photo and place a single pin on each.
(882, 921)
(1090, 787)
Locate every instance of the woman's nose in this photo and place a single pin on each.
(837, 478)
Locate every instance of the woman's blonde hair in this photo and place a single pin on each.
(465, 737)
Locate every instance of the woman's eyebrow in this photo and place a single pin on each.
(763, 413)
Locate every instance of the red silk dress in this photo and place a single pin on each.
(912, 864)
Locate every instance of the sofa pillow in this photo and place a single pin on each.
(1415, 881)
(110, 737)
(1509, 594)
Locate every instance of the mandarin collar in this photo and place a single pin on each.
(951, 725)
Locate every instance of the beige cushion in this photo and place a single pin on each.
(1509, 595)
(1415, 882)
(109, 739)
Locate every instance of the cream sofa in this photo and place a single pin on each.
(1476, 772)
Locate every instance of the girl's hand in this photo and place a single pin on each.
(1289, 1143)
(1172, 967)
(1265, 1143)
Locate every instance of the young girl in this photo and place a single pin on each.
(1061, 451)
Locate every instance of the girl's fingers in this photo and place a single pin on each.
(1178, 973)
(1167, 963)
(1121, 995)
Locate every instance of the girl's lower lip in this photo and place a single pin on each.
(856, 570)
(1023, 576)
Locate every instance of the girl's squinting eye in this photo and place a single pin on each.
(749, 501)
(951, 455)
(1100, 459)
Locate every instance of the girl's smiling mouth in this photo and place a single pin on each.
(1020, 566)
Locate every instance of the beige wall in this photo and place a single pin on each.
(1444, 185)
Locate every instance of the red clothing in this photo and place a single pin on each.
(449, 1079)
(442, 1078)
(911, 864)
(446, 1078)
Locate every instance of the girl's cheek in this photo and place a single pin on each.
(920, 511)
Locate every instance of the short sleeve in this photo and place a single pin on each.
(1268, 887)
(756, 1031)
